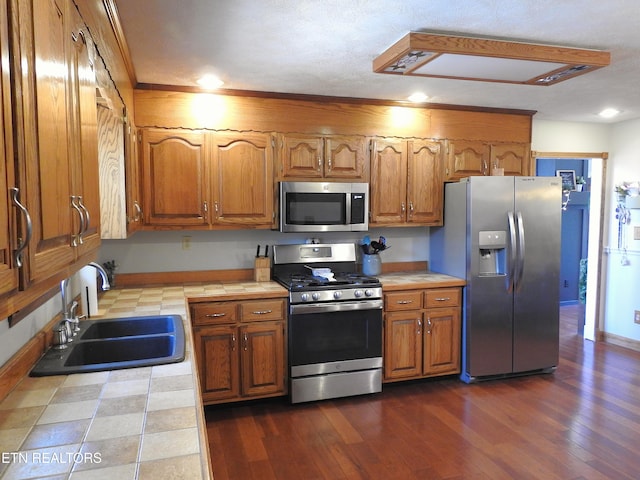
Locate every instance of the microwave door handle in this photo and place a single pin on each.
(348, 208)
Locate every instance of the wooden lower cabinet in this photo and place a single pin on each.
(422, 333)
(239, 347)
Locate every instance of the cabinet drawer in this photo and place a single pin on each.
(214, 313)
(409, 300)
(442, 297)
(262, 310)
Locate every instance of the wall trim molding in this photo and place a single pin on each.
(620, 341)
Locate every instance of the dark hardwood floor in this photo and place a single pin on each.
(581, 422)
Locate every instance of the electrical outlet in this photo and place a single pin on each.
(636, 316)
(186, 242)
(636, 233)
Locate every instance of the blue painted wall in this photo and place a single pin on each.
(575, 226)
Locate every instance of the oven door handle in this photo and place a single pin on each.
(335, 307)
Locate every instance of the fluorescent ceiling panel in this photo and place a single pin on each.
(486, 68)
(445, 56)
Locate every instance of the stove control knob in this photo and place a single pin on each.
(358, 293)
(337, 294)
(304, 297)
(315, 296)
(368, 292)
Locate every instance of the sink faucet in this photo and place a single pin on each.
(103, 275)
(69, 315)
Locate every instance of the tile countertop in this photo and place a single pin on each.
(135, 423)
(138, 423)
(415, 280)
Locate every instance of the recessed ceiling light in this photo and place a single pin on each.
(210, 82)
(418, 97)
(609, 113)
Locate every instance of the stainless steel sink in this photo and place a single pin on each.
(112, 344)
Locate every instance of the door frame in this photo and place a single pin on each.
(593, 308)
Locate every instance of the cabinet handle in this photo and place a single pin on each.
(87, 217)
(76, 239)
(429, 325)
(442, 299)
(233, 342)
(402, 207)
(484, 167)
(17, 253)
(215, 315)
(262, 312)
(404, 302)
(419, 326)
(138, 210)
(319, 163)
(245, 342)
(410, 208)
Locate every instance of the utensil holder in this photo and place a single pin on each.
(371, 264)
(262, 269)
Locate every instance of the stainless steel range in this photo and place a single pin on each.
(335, 321)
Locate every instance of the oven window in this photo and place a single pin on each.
(334, 336)
(316, 208)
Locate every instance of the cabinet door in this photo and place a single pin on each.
(8, 270)
(345, 157)
(216, 350)
(388, 182)
(174, 177)
(424, 182)
(402, 345)
(301, 156)
(442, 339)
(46, 113)
(466, 158)
(513, 157)
(132, 178)
(262, 358)
(85, 134)
(242, 169)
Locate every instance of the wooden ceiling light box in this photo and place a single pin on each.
(468, 58)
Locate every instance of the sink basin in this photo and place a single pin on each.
(121, 350)
(112, 344)
(128, 327)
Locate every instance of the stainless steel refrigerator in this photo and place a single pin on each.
(502, 234)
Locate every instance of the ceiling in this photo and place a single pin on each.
(327, 47)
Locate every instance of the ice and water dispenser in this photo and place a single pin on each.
(493, 253)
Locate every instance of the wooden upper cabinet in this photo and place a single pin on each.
(471, 158)
(406, 182)
(388, 181)
(303, 157)
(242, 179)
(345, 157)
(512, 157)
(175, 177)
(8, 230)
(466, 158)
(424, 182)
(85, 126)
(57, 151)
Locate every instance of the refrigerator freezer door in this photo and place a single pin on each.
(536, 297)
(488, 321)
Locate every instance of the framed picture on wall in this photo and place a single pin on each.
(568, 179)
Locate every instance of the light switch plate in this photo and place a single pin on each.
(636, 233)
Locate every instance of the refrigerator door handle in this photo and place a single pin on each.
(521, 250)
(513, 254)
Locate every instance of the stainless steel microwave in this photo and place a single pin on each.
(324, 207)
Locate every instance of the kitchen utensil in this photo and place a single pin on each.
(324, 272)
